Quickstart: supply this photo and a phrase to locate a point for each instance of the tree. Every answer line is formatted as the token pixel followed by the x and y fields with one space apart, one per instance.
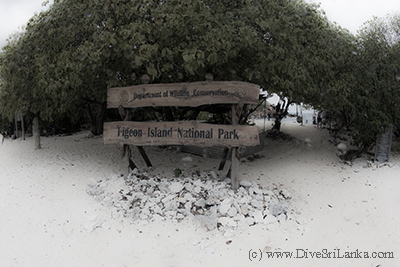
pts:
pixel 298 53
pixel 78 49
pixel 375 99
pixel 362 91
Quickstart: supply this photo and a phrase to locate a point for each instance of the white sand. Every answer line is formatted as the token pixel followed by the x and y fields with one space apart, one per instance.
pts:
pixel 47 217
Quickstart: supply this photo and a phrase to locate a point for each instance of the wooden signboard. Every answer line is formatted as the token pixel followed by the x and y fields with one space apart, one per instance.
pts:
pixel 194 94
pixel 183 94
pixel 180 133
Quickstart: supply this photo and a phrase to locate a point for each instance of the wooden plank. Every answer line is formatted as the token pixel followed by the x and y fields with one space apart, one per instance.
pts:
pixel 217 152
pixel 183 94
pixel 179 133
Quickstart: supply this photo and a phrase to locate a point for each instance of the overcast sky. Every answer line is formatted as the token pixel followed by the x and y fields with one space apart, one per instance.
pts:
pixel 350 14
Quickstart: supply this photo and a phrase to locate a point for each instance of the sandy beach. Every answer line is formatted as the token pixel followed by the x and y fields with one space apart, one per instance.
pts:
pixel 337 214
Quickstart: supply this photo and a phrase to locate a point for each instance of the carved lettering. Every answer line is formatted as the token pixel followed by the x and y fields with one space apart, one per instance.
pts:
pixel 127 132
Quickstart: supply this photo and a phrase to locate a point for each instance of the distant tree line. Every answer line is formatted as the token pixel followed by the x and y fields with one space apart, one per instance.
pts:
pixel 60 67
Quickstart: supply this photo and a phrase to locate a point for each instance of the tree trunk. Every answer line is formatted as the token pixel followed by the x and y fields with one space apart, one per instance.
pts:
pixel 36 132
pixel 100 117
pixel 97 120
pixel 22 127
pixel 281 112
pixel 277 124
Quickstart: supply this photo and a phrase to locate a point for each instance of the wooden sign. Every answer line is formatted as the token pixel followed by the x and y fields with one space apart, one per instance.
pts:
pixel 179 133
pixel 383 146
pixel 183 94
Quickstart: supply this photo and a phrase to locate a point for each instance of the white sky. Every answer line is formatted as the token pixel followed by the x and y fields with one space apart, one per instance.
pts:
pixel 350 14
pixel 14 14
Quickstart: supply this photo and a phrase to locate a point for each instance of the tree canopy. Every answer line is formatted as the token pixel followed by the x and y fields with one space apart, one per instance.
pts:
pixel 68 56
pixel 366 92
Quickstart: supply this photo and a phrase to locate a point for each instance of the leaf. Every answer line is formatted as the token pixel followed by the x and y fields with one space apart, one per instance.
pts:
pixel 186 58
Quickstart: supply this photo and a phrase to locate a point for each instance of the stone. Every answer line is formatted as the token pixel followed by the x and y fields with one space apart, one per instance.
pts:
pixel 245 183
pixel 188 186
pixel 244 209
pixel 143 216
pixel 197 189
pixel 187 159
pixel 150 190
pixel 269 219
pixel 167 199
pixel 198 183
pixel 188 206
pixel 213 174
pixel 342 148
pixel 170 214
pixel 250 220
pixel 200 202
pixel 108 202
pixel 308 141
pixel 225 221
pixel 258 216
pixel 256 204
pixel 175 187
pixel 92 182
pixel 171 205
pixel 124 205
pixel 232 212
pixel 278 207
pixel 210 201
pixel 146 211
pixel 180 216
pixel 135 171
pixel 236 205
pixel 225 206
pixel 188 197
pixel 210 222
pixel 157 209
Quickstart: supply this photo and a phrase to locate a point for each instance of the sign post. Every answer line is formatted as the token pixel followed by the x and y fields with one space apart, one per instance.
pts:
pixel 195 94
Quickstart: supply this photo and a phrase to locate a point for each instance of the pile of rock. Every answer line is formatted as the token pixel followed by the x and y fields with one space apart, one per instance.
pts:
pixel 212 203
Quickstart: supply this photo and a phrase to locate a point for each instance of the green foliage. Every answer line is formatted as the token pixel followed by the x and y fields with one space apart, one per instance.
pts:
pixel 61 66
pixel 367 92
pixel 71 54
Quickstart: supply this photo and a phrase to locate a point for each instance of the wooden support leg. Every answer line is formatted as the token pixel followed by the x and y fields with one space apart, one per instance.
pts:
pixel 235 113
pixel 144 156
pixel 234 170
pixel 126 153
pixel 127 162
pixel 223 160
